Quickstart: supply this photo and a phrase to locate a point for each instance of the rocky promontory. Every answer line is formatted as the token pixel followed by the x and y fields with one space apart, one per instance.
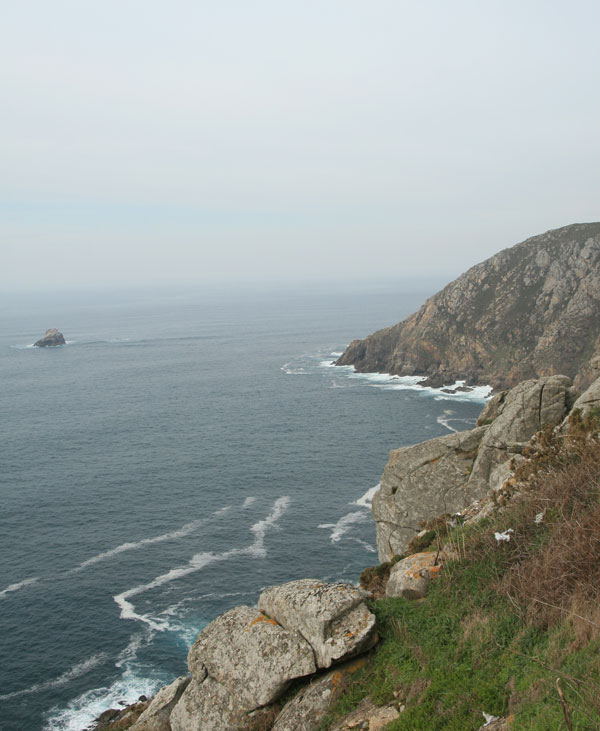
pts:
pixel 530 311
pixel 51 339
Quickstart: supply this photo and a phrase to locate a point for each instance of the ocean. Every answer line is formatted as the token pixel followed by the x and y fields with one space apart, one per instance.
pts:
pixel 183 451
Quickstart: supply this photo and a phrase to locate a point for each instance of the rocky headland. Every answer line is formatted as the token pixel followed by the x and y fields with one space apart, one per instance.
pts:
pixel 51 339
pixel 532 310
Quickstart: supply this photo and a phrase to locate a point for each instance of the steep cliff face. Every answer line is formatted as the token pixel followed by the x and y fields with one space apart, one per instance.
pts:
pixel 529 311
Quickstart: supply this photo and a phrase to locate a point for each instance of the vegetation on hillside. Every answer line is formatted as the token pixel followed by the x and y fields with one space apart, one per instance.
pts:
pixel 512 628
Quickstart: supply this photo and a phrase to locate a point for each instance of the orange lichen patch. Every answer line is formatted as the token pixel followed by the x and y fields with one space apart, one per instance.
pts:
pixel 349 634
pixel 435 571
pixel 263 618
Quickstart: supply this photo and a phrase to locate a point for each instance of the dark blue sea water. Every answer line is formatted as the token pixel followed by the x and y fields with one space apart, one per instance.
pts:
pixel 180 453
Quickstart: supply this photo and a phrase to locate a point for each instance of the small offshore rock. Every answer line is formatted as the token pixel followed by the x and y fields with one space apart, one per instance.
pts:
pixel 333 618
pixel 52 338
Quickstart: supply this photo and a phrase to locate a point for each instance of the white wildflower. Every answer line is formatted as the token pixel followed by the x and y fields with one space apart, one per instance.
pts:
pixel 488 716
pixel 503 536
pixel 539 517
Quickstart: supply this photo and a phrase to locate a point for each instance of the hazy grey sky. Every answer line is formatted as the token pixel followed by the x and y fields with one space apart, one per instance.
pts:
pixel 185 141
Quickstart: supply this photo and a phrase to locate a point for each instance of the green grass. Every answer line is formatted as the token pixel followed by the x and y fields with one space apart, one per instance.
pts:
pixel 464 650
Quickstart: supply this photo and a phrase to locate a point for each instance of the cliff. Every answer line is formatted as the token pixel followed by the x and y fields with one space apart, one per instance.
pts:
pixel 532 310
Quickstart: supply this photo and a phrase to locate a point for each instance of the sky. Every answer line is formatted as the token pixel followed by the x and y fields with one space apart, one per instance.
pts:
pixel 187 142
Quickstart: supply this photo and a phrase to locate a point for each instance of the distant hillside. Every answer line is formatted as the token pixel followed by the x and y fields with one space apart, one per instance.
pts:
pixel 529 311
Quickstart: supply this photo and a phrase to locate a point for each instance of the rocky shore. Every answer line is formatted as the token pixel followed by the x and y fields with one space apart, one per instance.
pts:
pixel 281 665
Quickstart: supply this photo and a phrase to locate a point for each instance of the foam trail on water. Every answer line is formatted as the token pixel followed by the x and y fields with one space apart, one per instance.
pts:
pixel 366 500
pixel 75 672
pixel 198 562
pixel 444 419
pixel 19 585
pixel 344 524
pixel 248 502
pixel 134 546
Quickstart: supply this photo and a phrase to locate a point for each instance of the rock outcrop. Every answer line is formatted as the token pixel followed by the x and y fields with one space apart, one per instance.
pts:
pixel 446 474
pixel 529 311
pixel 333 618
pixel 245 659
pixel 157 716
pixel 51 339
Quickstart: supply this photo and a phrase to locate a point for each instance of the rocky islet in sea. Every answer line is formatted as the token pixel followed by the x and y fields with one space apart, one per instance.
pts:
pixel 51 339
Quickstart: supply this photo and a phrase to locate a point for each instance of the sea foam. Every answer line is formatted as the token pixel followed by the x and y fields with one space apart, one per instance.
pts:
pixel 366 500
pixel 19 585
pixel 134 546
pixel 198 562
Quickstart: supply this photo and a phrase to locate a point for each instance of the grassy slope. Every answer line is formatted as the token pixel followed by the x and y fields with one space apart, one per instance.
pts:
pixel 499 626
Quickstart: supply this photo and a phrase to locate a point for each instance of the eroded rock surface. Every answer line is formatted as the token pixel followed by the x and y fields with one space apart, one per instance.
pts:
pixel 311 703
pixel 427 479
pixel 156 716
pixel 251 655
pixel 447 474
pixel 207 706
pixel 333 618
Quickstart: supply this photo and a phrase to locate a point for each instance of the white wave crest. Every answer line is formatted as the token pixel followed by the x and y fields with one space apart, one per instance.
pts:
pixel 291 370
pixel 477 394
pixel 196 563
pixel 82 710
pixel 19 585
pixel 248 502
pixel 75 672
pixel 364 544
pixel 344 524
pixel 366 500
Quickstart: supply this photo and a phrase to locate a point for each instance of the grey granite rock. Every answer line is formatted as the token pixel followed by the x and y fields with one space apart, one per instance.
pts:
pixel 333 618
pixel 207 706
pixel 420 482
pixel 156 716
pixel 447 474
pixel 252 656
pixel 589 399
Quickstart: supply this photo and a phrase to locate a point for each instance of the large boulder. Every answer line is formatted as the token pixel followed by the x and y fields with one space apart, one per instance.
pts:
pixel 332 618
pixel 410 577
pixel 52 338
pixel 447 474
pixel 251 656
